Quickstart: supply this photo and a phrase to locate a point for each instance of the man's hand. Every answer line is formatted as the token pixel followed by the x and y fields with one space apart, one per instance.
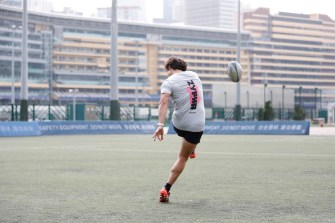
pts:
pixel 159 133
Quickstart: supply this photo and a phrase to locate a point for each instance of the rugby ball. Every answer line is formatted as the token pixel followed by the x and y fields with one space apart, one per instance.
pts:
pixel 234 70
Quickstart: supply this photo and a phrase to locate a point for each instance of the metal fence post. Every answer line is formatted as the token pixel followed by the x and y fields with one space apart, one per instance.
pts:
pixel 149 115
pixel 16 113
pixel 13 117
pixel 102 113
pixel 33 112
pixel 49 112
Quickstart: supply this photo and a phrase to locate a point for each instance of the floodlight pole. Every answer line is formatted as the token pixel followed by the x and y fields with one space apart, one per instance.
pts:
pixel 265 85
pixel 113 96
pixel 315 97
pixel 238 87
pixel 300 88
pixel 136 78
pixel 24 65
pixel 13 74
pixel 320 99
pixel 283 102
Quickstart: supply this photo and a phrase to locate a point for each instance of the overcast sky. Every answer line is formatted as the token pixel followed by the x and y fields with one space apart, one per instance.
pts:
pixel 155 7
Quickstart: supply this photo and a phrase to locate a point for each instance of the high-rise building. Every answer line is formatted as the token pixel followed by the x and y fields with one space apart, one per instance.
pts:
pixel 173 12
pixel 168 10
pixel 13 3
pixel 69 11
pixel 211 13
pixel 70 52
pixel 128 10
pixel 294 51
pixel 128 13
pixel 34 5
pixel 178 11
pixel 290 52
pixel 40 5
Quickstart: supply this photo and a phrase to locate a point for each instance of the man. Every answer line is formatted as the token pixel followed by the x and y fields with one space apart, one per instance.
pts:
pixel 188 118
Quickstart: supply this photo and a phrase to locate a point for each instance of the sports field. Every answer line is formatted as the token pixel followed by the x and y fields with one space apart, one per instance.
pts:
pixel 117 178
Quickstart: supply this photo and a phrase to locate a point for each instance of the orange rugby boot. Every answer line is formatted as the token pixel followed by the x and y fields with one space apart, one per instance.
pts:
pixel 192 155
pixel 164 195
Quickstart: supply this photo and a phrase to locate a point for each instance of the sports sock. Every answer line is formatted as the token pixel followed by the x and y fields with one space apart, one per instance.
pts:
pixel 168 187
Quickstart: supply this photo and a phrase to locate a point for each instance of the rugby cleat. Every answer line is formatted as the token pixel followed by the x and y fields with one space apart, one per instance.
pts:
pixel 192 155
pixel 164 195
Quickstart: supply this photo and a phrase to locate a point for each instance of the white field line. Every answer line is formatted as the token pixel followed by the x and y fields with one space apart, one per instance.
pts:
pixel 105 148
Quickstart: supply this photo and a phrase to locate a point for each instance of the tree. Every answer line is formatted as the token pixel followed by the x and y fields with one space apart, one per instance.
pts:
pixel 299 113
pixel 260 114
pixel 267 113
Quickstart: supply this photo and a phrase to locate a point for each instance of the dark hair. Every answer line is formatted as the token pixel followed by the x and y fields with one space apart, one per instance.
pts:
pixel 175 63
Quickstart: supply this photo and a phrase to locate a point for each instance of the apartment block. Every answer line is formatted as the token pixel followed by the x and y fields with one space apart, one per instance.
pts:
pixel 295 51
pixel 70 52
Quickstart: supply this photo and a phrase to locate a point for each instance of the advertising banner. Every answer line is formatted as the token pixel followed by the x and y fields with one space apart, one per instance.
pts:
pixel 106 127
pixel 255 128
pixel 8 129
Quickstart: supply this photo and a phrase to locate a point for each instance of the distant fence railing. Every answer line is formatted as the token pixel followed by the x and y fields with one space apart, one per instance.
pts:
pixel 91 112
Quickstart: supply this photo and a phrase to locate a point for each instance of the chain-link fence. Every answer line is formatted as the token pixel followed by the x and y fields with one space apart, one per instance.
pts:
pixel 89 112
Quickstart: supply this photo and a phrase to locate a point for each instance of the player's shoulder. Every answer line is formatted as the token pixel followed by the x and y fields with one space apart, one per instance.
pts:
pixel 177 78
pixel 183 75
pixel 189 72
pixel 192 74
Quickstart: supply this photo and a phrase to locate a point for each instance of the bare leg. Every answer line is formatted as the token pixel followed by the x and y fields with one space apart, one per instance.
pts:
pixel 178 167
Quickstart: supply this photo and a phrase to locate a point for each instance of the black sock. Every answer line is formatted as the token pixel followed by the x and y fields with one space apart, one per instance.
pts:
pixel 167 187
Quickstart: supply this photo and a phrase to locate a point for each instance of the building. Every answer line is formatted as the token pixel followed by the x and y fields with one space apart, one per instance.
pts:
pixel 285 51
pixel 13 3
pixel 10 57
pixel 211 13
pixel 128 13
pixel 69 11
pixel 33 5
pixel 127 10
pixel 40 5
pixel 69 52
pixel 295 51
pixel 173 12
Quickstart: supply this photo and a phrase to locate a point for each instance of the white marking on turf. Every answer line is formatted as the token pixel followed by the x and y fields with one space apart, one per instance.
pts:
pixel 107 148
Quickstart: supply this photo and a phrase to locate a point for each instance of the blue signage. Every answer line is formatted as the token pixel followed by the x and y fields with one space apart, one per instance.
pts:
pixel 19 129
pixel 106 127
pixel 255 128
pixel 145 127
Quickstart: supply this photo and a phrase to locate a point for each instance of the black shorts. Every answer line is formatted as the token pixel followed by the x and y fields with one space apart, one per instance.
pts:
pixel 191 137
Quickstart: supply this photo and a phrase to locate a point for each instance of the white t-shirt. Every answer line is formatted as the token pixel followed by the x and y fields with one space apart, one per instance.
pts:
pixel 187 96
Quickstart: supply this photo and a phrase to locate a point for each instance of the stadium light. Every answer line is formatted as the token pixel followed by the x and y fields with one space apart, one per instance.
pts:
pixel 113 96
pixel 136 78
pixel 283 103
pixel 14 28
pixel 237 111
pixel 320 99
pixel 24 65
pixel 300 88
pixel 316 90
pixel 265 85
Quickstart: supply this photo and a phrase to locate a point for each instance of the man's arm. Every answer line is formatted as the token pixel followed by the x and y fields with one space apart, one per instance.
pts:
pixel 162 110
pixel 163 107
